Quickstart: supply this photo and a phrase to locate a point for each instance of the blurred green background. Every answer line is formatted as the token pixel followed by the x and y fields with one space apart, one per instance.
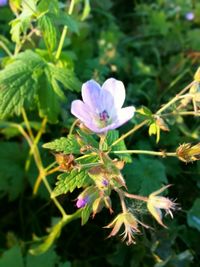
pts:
pixel 154 48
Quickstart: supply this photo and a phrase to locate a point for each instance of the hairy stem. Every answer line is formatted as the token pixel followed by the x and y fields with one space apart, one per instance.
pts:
pixel 174 99
pixel 121 196
pixel 64 32
pixel 142 198
pixel 73 126
pixel 39 164
pixel 134 129
pixel 146 152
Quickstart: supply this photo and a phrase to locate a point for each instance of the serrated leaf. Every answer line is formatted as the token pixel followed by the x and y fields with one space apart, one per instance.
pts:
pixel 19 83
pixel 67 182
pixel 12 257
pixel 66 145
pixel 145 176
pixel 21 24
pixel 49 32
pixel 49 102
pixel 110 138
pixel 29 78
pixel 193 215
pixel 66 77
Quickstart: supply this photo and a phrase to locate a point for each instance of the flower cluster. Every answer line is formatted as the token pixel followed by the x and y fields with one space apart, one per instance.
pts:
pixel 101 110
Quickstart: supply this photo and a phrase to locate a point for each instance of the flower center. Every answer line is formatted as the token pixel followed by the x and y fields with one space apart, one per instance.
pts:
pixel 104 117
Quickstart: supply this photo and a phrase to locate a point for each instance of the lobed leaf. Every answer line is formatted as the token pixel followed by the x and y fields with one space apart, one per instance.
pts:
pixel 19 83
pixel 67 182
pixel 66 145
pixel 49 32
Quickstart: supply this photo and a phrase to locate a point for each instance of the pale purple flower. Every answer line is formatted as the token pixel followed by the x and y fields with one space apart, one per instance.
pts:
pixel 82 202
pixel 189 15
pixel 3 2
pixel 101 109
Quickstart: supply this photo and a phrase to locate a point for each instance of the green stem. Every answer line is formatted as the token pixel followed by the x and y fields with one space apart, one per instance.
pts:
pixel 134 129
pixel 71 7
pixel 39 164
pixel 62 39
pixel 85 156
pixel 35 142
pixel 27 124
pixel 102 140
pixel 54 199
pixel 183 113
pixel 50 166
pixel 146 152
pixel 6 49
pixel 121 196
pixel 176 98
pixel 136 197
pixel 73 126
pixel 64 32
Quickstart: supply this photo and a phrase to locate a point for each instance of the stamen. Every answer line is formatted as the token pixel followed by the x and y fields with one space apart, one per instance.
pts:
pixel 104 116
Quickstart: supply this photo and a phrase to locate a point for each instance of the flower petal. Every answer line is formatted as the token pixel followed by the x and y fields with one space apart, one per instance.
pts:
pixel 156 213
pixel 116 89
pixel 124 115
pixel 97 99
pixel 91 92
pixel 81 111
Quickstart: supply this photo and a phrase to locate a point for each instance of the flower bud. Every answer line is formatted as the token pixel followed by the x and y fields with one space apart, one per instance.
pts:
pixel 86 197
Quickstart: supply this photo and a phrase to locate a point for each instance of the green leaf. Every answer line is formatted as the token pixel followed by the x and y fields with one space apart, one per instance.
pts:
pixel 47 259
pixel 21 24
pixel 48 6
pixel 29 78
pixel 12 171
pixel 66 77
pixel 66 145
pixel 12 257
pixel 145 176
pixel 49 32
pixel 19 83
pixel 193 215
pixel 85 214
pixel 49 102
pixel 145 112
pixel 67 182
pixel 64 19
pixel 110 138
pixel 88 139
